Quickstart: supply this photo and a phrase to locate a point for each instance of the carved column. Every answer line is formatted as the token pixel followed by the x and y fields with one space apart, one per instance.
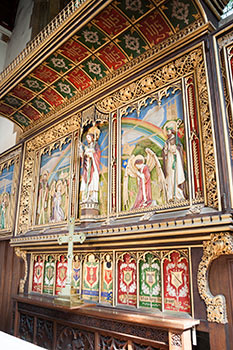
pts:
pixel 22 254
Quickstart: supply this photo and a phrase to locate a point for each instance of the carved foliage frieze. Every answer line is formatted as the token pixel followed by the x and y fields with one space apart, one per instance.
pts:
pixel 75 339
pixel 219 244
pixel 32 147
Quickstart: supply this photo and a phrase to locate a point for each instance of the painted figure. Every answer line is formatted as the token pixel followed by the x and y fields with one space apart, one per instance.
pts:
pixel 57 200
pixel 43 197
pixel 137 168
pixel 173 166
pixel 144 195
pixel 4 206
pixel 90 159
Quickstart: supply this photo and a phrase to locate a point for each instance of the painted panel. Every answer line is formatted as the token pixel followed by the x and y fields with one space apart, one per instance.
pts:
pixel 61 274
pixel 180 13
pixel 90 290
pixel 37 278
pixel 195 138
pixel 127 280
pixel 93 152
pixel 53 191
pixel 107 279
pixel 76 271
pixel 6 183
pixel 150 281
pixel 112 56
pixel 154 28
pixel 111 21
pixel 49 275
pixel 176 282
pixel 154 166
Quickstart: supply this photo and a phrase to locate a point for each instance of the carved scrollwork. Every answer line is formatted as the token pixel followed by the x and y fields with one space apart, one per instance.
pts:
pixel 176 340
pixel 71 338
pixel 219 244
pixel 22 254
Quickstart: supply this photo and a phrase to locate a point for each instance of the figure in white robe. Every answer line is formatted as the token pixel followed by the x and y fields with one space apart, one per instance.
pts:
pixel 90 159
pixel 173 167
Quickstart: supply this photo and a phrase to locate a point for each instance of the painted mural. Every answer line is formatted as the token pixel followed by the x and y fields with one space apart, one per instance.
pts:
pixel 154 170
pixel 158 280
pixel 6 180
pixel 150 281
pixel 54 178
pixel 93 152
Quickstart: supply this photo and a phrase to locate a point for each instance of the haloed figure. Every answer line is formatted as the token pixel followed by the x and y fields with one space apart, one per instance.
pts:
pixel 90 157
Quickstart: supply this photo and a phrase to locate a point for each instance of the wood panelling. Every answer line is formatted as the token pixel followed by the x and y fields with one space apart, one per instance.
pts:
pixel 221 281
pixel 11 270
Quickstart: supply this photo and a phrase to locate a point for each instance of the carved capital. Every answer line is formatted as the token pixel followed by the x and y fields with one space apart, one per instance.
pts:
pixel 219 244
pixel 22 254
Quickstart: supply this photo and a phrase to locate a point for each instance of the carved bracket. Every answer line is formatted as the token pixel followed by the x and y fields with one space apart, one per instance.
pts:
pixel 22 254
pixel 219 244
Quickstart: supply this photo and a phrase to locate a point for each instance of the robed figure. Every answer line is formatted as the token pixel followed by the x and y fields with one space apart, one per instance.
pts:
pixel 173 166
pixel 90 155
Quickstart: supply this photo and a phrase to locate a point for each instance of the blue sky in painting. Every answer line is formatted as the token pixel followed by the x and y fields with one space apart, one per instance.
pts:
pixel 57 161
pixel 6 179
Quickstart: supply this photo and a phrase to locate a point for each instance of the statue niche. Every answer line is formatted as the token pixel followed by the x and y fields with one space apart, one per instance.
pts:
pixel 90 153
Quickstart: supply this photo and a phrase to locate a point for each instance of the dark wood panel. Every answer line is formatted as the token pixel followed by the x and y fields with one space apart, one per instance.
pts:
pixel 220 280
pixel 10 273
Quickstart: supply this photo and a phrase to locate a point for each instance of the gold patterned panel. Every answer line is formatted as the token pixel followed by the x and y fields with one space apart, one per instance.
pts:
pixel 192 62
pixel 219 244
pixel 32 147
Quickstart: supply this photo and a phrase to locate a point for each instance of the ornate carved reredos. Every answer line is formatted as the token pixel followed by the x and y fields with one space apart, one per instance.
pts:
pixel 192 62
pixel 188 69
pixel 219 244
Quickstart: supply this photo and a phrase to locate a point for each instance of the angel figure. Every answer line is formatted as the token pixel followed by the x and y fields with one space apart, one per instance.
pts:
pixel 137 168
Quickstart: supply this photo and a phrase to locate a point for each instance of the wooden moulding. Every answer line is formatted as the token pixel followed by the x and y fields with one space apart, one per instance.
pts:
pixel 158 330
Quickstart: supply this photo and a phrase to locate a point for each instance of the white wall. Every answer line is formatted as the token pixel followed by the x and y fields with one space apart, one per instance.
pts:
pixel 21 34
pixel 7 134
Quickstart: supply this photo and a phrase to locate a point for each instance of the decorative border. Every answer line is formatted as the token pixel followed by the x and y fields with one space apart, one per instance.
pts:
pixel 6 160
pixel 192 62
pixel 223 52
pixel 30 159
pixel 219 244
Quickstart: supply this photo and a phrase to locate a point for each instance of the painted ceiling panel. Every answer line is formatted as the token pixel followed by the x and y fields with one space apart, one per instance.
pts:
pixel 30 112
pixel 121 32
pixel 74 51
pixel 79 79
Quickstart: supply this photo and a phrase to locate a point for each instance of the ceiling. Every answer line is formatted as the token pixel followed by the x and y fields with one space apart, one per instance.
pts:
pixel 120 33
